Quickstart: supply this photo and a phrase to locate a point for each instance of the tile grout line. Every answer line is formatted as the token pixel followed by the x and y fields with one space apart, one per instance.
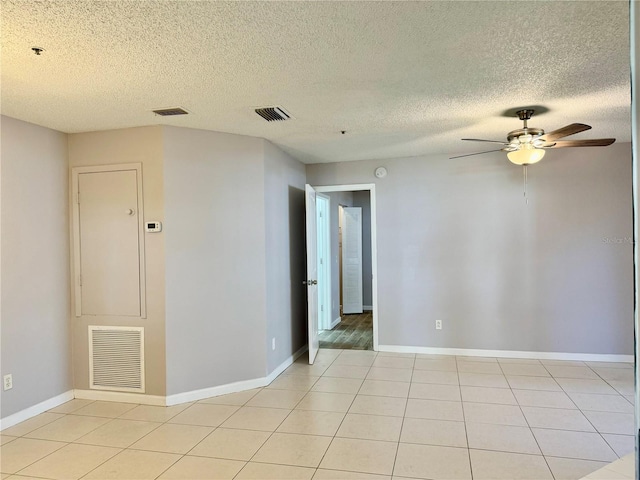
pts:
pixel 568 394
pixel 347 411
pixel 244 404
pixel 47 455
pixel 527 420
pixel 596 431
pixel 284 419
pixel 464 419
pixel 587 418
pixel 166 422
pixel 607 382
pixel 125 448
pixel 404 416
pixel 98 466
pixel 266 439
pixel 68 443
pixel 65 442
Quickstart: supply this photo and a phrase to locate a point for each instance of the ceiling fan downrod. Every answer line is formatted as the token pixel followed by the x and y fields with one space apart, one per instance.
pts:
pixel 525 115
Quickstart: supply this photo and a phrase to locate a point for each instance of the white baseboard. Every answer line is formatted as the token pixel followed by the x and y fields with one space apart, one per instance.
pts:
pixel 283 366
pixel 36 409
pixel 123 397
pixel 194 395
pixel 334 323
pixel 584 357
pixel 142 399
pixel 367 308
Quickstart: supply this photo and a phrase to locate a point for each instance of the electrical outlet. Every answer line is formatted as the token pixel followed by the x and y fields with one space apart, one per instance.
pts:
pixel 438 324
pixel 8 382
pixel 273 343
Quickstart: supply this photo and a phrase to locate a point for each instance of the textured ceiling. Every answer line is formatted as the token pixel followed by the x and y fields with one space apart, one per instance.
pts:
pixel 402 78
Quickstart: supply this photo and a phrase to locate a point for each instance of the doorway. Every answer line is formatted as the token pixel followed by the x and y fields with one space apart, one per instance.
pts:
pixel 345 234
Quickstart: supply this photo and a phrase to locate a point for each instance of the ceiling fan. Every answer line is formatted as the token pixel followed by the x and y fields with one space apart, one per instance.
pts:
pixel 527 145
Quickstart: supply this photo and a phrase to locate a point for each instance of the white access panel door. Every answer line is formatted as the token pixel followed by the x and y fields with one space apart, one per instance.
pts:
pixel 352 260
pixel 312 271
pixel 109 243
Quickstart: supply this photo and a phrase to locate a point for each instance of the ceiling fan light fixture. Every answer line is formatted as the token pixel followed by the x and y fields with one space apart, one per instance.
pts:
pixel 526 156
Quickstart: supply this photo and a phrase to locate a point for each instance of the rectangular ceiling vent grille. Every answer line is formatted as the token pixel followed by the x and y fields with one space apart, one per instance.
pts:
pixel 169 112
pixel 273 114
pixel 116 358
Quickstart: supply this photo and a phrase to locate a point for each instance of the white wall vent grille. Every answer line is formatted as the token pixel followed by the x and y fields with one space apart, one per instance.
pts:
pixel 116 358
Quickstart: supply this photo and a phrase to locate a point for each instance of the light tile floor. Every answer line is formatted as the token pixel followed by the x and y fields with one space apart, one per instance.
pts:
pixel 353 415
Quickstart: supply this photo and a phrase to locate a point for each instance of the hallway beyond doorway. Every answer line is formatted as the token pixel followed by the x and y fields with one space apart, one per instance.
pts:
pixel 354 332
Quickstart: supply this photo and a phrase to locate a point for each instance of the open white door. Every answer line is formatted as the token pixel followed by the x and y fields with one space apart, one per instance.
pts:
pixel 352 260
pixel 312 271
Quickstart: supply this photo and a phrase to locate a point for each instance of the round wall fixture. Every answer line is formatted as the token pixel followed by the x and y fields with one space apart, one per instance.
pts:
pixel 381 172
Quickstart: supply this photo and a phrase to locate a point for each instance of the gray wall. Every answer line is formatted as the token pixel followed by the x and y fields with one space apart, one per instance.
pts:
pixel 363 199
pixel 215 258
pixel 34 296
pixel 129 145
pixel 227 202
pixel 284 199
pixel 457 242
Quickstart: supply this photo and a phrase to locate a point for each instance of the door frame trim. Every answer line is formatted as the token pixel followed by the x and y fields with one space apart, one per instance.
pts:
pixel 75 226
pixel 371 187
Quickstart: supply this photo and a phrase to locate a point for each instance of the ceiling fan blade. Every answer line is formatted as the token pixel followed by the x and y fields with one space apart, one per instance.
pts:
pixel 477 153
pixel 598 142
pixel 480 140
pixel 565 131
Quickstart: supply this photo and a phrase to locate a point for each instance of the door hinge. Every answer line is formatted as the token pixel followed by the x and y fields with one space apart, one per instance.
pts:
pixel 78 198
pixel 320 214
pixel 322 308
pixel 320 261
pixel 80 279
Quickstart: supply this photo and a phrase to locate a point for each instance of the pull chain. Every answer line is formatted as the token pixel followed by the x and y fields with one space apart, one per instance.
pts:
pixel 526 200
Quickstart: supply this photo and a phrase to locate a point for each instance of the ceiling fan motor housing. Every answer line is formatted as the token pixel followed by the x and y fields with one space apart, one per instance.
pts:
pixel 535 132
pixel 525 114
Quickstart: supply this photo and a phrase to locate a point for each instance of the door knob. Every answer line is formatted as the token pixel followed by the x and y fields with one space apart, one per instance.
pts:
pixel 309 282
pixel 130 211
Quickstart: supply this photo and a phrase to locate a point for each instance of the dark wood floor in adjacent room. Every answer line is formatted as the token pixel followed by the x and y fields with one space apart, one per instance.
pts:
pixel 354 332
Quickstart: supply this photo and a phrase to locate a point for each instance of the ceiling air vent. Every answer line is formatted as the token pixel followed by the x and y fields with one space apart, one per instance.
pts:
pixel 169 112
pixel 273 114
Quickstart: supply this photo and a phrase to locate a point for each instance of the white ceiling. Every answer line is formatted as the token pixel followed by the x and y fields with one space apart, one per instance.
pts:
pixel 402 78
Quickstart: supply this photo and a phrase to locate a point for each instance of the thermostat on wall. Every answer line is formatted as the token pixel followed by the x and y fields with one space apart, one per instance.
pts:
pixel 153 227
